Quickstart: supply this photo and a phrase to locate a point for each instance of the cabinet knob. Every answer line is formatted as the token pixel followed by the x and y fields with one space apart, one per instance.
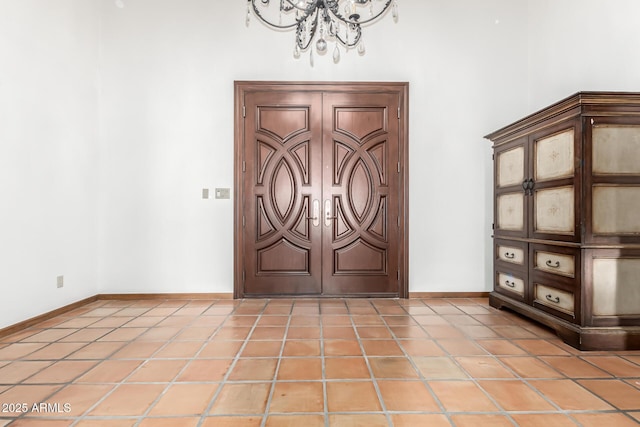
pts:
pixel 509 255
pixel 510 284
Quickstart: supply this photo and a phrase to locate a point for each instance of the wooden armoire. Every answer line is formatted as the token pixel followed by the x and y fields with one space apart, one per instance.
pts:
pixel 567 219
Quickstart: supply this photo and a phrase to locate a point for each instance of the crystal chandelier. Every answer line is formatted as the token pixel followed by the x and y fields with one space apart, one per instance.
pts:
pixel 322 21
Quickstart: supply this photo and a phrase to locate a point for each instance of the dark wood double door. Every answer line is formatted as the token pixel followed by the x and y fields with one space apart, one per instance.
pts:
pixel 320 200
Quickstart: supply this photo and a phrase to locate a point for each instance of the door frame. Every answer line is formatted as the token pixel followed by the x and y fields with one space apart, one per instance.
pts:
pixel 400 88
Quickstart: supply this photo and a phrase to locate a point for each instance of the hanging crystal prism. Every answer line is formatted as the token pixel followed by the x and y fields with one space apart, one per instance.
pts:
pixel 311 57
pixel 361 49
pixel 336 54
pixel 346 38
pixel 296 52
pixel 321 45
pixel 248 19
pixel 394 10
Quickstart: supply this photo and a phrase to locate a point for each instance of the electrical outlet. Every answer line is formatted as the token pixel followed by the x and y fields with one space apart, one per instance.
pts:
pixel 205 193
pixel 60 281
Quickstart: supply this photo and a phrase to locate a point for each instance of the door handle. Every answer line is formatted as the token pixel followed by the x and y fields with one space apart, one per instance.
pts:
pixel 316 213
pixel 327 213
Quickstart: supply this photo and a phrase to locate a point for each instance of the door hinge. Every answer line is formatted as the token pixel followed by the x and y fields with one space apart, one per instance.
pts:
pixel 493 157
pixel 244 111
pixel 398 275
pixel 244 166
pixel 244 276
pixel 398 221
pixel 243 221
pixel 398 112
pixel 493 226
pixel 398 167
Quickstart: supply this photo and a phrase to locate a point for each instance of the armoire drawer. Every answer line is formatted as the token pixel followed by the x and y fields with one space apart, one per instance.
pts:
pixel 509 283
pixel 561 302
pixel 511 252
pixel 557 260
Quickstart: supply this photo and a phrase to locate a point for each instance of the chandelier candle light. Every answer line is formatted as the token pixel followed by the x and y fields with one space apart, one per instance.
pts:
pixel 322 21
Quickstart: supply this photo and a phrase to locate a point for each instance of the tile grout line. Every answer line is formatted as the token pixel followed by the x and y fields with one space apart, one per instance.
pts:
pixel 277 368
pixel 174 339
pixel 524 380
pixel 475 381
pixel 452 358
pixel 225 377
pixel 414 366
pixel 371 373
pixel 323 363
pixel 63 385
pixel 117 385
pixel 169 384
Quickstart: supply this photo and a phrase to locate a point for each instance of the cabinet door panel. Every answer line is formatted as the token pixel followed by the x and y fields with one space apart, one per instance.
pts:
pixel 615 287
pixel 554 156
pixel 555 211
pixel 510 167
pixel 615 209
pixel 616 150
pixel 510 212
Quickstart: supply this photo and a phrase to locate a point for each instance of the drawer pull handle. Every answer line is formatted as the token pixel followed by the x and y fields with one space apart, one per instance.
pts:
pixel 553 265
pixel 510 284
pixel 555 300
pixel 509 255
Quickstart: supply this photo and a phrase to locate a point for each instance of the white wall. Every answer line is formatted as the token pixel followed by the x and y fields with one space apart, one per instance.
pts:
pixel 48 155
pixel 101 173
pixel 582 45
pixel 167 81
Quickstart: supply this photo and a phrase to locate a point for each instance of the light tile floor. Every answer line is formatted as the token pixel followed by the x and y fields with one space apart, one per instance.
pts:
pixel 308 362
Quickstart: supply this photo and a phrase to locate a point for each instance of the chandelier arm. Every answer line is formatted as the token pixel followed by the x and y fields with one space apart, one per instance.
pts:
pixel 293 5
pixel 312 31
pixel 335 12
pixel 264 20
pixel 356 39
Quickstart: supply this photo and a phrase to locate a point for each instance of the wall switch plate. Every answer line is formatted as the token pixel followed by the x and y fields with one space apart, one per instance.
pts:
pixel 205 193
pixel 60 281
pixel 223 193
